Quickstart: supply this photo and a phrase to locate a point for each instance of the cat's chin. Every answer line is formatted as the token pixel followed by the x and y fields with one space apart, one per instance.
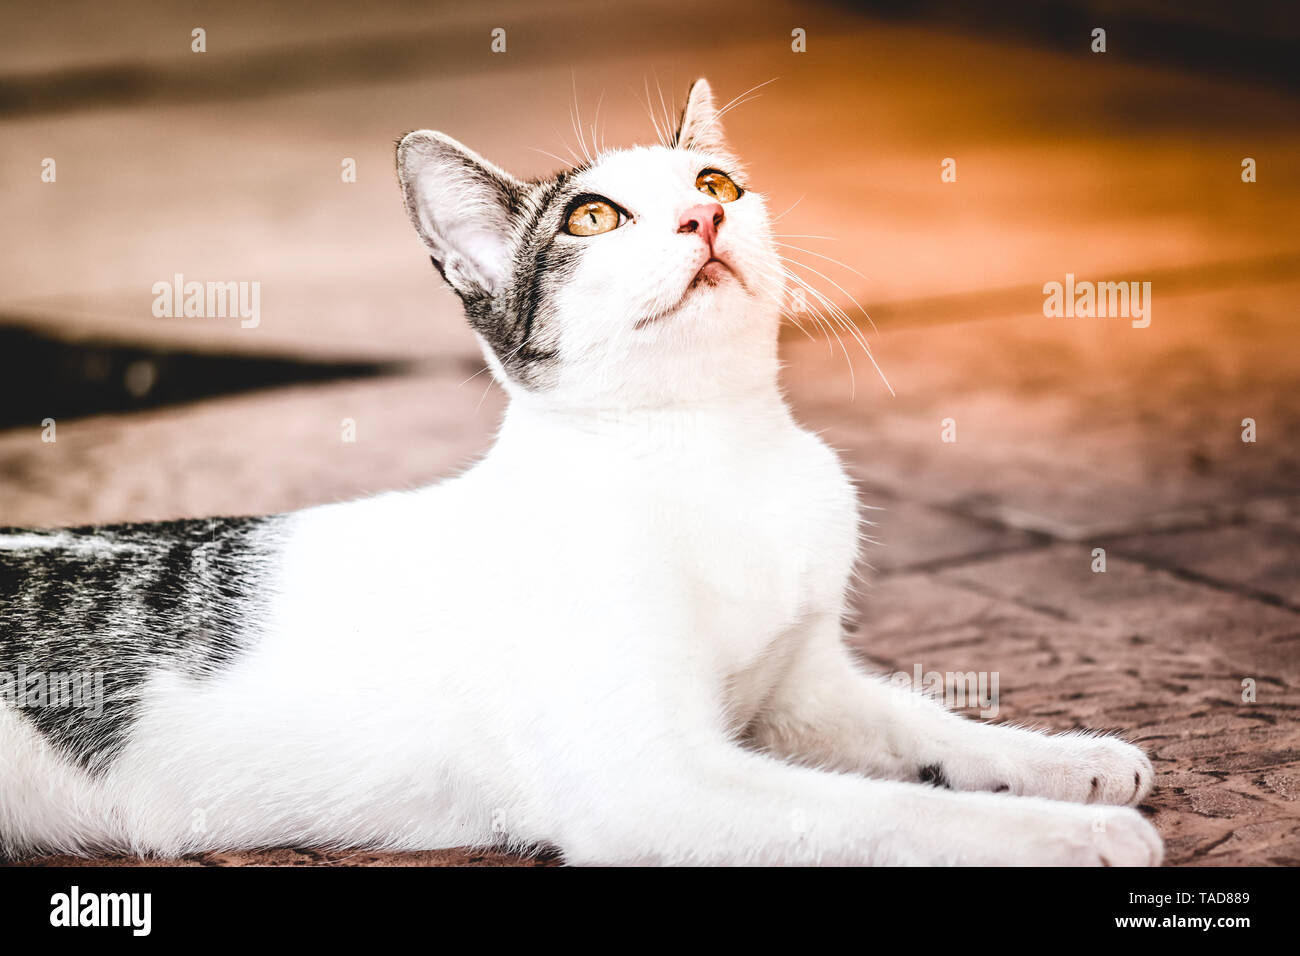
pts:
pixel 712 274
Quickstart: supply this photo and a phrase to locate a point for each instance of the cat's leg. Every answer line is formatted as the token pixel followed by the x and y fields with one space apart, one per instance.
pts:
pixel 826 712
pixel 722 804
pixel 643 766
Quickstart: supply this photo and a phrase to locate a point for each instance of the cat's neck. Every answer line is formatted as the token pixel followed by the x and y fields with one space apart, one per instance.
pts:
pixel 704 422
pixel 695 397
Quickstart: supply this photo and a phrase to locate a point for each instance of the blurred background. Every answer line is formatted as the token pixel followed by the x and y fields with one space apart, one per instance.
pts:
pixel 231 165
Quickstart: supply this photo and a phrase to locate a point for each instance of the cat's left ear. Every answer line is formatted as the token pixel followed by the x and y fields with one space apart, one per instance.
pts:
pixel 701 126
pixel 462 207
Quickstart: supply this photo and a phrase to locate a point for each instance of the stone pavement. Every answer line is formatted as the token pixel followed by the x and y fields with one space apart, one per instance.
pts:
pixel 985 545
pixel 1071 434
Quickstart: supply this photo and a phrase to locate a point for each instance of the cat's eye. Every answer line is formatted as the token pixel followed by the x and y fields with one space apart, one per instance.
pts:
pixel 718 185
pixel 591 217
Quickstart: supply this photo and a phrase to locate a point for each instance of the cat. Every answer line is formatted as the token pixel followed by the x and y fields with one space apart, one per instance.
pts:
pixel 617 635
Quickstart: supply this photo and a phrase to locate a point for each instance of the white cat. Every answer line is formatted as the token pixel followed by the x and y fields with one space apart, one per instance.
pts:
pixel 618 634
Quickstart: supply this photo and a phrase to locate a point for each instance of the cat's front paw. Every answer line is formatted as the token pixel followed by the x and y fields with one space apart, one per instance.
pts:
pixel 1097 836
pixel 1074 768
pixel 1083 768
pixel 1030 831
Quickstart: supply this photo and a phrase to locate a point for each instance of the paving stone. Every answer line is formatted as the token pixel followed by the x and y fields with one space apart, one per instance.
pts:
pixel 1130 600
pixel 909 535
pixel 1121 438
pixel 258 453
pixel 1262 557
pixel 1226 769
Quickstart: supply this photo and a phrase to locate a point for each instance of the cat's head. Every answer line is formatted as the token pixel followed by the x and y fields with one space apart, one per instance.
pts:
pixel 647 276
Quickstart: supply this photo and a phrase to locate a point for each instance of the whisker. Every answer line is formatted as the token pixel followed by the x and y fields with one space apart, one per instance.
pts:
pixel 835 335
pixel 559 159
pixel 736 102
pixel 717 116
pixel 790 209
pixel 504 359
pixel 838 286
pixel 814 309
pixel 839 314
pixel 835 311
pixel 745 97
pixel 790 245
pixel 472 377
pixel 668 117
pixel 843 319
pixel 595 136
pixel 748 91
pixel 577 160
pixel 789 314
pixel 575 117
pixel 482 398
pixel 659 133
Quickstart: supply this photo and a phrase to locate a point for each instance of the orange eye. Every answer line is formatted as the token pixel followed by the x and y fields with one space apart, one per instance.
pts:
pixel 592 218
pixel 718 185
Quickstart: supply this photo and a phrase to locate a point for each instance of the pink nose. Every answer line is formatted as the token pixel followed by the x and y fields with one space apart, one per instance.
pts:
pixel 704 219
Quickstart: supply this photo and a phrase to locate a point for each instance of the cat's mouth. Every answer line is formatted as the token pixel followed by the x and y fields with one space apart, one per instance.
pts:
pixel 712 272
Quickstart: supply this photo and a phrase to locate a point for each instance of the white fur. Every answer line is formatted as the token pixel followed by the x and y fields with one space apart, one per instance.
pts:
pixel 618 634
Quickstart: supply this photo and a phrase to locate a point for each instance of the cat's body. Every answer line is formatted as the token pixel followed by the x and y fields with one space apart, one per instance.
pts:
pixel 399 633
pixel 618 634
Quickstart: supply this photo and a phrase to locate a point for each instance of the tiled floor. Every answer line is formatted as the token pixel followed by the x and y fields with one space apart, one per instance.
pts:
pixel 1072 434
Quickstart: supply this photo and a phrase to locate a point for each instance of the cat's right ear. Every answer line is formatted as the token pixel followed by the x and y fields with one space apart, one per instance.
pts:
pixel 461 205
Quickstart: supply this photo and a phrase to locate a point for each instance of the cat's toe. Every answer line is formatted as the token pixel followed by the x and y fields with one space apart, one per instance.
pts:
pixel 1049 833
pixel 1082 768
pixel 1118 772
pixel 1120 836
